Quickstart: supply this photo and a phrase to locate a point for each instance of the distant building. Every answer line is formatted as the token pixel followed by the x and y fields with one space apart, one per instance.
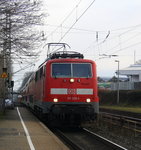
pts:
pixel 133 72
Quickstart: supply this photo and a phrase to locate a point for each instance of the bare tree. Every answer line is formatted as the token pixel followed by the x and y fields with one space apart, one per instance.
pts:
pixel 19 32
pixel 18 19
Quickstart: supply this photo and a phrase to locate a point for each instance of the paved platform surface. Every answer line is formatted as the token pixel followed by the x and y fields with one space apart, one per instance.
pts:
pixel 21 130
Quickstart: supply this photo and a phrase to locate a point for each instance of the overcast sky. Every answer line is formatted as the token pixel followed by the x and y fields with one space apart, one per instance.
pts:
pixel 109 27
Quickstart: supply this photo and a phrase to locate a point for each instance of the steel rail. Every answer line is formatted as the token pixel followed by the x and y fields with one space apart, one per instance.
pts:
pixel 92 141
pixel 106 141
pixel 131 123
pixel 122 116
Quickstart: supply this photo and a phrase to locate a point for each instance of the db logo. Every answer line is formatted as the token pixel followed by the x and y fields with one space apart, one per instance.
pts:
pixel 71 91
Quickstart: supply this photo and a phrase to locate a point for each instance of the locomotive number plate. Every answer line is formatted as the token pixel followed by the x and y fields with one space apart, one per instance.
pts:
pixel 72 98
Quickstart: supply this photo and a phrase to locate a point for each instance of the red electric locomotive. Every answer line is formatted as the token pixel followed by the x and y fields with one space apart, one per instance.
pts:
pixel 64 88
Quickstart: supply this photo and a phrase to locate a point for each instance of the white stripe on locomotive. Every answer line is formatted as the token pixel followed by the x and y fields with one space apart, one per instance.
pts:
pixel 71 91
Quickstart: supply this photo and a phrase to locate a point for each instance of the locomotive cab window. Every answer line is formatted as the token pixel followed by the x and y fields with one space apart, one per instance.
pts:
pixel 81 70
pixel 69 70
pixel 61 70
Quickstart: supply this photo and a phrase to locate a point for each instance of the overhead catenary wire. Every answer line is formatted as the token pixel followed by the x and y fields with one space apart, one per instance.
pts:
pixel 125 40
pixel 77 20
pixel 78 29
pixel 134 26
pixel 64 20
pixel 126 47
pixel 108 39
pixel 25 67
pixel 112 31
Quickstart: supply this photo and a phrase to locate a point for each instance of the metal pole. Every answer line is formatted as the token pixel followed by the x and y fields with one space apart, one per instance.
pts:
pixel 7 53
pixel 117 82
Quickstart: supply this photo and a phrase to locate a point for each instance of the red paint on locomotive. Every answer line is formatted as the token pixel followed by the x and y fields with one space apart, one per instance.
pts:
pixel 71 89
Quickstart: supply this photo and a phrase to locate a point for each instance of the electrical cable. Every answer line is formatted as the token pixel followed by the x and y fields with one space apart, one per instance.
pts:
pixel 77 20
pixel 23 68
pixel 126 47
pixel 64 20
pixel 124 42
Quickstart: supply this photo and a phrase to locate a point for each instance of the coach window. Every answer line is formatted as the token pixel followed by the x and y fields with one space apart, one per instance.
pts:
pixel 37 76
pixel 41 72
pixel 26 98
pixel 31 98
pixel 82 70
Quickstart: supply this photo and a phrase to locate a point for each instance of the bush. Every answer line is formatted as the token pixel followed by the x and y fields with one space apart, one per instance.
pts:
pixel 132 97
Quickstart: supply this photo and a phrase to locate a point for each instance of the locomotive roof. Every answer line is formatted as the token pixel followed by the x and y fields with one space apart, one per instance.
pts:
pixel 66 54
pixel 63 55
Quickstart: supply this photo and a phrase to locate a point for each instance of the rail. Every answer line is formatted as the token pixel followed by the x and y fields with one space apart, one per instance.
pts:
pixel 81 139
pixel 130 123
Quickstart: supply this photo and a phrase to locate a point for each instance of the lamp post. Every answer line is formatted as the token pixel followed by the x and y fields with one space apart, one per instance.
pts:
pixel 117 82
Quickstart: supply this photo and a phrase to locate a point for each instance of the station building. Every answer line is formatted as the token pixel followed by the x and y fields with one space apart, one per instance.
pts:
pixel 133 72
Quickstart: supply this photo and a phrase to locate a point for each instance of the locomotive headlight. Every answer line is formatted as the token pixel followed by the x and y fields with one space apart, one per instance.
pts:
pixel 71 80
pixel 88 100
pixel 55 100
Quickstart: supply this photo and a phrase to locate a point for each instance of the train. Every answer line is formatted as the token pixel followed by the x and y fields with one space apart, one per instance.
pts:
pixel 63 89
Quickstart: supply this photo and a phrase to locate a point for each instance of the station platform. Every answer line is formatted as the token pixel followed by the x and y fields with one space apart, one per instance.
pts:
pixel 21 130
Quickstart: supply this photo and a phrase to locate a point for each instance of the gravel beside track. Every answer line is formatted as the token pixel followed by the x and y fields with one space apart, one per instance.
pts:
pixel 128 139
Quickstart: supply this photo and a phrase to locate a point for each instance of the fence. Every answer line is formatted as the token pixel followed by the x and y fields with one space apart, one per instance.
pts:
pixel 126 86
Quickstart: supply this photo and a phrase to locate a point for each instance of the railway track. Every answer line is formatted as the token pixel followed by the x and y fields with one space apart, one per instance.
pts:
pixel 83 139
pixel 127 122
pixel 122 113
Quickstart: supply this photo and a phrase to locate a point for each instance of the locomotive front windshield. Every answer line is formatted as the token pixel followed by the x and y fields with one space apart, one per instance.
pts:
pixel 69 70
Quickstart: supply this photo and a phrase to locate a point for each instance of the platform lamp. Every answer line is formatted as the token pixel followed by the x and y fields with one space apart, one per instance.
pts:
pixel 117 82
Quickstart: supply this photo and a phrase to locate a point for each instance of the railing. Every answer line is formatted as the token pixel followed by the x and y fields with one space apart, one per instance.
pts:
pixel 133 124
